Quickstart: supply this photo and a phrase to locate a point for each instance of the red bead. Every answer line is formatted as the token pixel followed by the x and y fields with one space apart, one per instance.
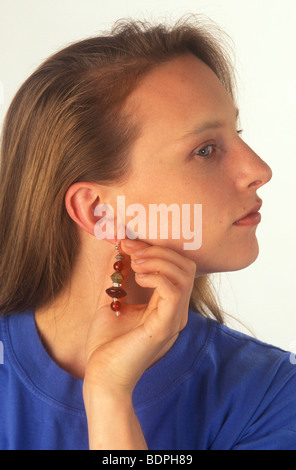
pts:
pixel 116 292
pixel 118 266
pixel 115 306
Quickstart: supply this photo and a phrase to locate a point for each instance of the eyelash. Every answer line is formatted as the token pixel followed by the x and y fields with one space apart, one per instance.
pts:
pixel 212 147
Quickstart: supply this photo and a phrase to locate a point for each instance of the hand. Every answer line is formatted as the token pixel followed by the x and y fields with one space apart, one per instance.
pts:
pixel 120 349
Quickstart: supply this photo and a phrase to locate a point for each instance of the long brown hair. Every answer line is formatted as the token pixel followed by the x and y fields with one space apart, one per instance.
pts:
pixel 66 124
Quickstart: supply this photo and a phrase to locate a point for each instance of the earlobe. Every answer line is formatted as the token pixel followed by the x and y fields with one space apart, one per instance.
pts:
pixel 80 201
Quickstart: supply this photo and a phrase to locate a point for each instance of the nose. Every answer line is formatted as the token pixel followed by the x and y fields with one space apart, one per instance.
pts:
pixel 252 171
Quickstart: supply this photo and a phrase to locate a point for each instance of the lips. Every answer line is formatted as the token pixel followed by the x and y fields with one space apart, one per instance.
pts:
pixel 253 217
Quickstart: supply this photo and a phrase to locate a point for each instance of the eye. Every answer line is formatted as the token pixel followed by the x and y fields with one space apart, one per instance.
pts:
pixel 206 151
pixel 240 132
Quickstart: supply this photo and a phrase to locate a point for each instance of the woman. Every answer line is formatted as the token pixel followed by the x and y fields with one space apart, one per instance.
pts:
pixel 148 113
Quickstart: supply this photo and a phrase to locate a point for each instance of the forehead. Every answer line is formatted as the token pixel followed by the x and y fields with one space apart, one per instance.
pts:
pixel 182 90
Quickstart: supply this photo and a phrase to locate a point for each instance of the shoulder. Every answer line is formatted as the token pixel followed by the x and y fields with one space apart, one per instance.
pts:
pixel 254 383
pixel 223 354
pixel 245 356
pixel 248 349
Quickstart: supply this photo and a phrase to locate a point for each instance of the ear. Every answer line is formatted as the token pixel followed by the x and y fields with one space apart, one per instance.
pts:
pixel 81 200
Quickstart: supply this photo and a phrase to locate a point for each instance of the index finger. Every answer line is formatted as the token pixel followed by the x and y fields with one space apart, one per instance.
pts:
pixel 140 249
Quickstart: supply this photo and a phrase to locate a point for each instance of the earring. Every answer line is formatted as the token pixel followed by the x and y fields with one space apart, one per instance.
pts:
pixel 116 292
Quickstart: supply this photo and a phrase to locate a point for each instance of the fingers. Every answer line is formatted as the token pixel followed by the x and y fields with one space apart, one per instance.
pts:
pixel 172 272
pixel 147 259
pixel 138 249
pixel 172 277
pixel 167 311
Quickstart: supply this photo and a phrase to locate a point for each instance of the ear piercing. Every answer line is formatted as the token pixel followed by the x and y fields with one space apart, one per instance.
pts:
pixel 116 291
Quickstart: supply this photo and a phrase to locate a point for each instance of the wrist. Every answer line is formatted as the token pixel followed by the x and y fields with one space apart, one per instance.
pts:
pixel 112 422
pixel 94 393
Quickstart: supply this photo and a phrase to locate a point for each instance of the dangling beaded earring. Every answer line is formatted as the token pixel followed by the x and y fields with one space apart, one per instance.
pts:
pixel 116 292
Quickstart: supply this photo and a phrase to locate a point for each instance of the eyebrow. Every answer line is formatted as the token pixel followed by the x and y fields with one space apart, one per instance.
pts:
pixel 208 126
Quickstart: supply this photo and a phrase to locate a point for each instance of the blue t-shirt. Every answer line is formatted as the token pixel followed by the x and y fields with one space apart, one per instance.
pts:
pixel 215 389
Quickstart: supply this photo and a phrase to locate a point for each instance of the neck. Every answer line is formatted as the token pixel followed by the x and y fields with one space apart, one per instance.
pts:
pixel 63 325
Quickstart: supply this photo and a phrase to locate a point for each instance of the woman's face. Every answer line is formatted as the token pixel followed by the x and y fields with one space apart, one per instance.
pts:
pixel 189 152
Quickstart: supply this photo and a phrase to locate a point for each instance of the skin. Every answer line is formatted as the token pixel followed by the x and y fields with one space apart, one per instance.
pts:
pixel 189 151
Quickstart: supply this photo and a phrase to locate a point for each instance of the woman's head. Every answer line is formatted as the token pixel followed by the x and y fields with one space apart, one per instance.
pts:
pixel 190 152
pixel 69 123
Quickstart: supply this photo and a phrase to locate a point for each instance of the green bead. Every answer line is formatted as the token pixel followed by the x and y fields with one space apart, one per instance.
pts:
pixel 117 277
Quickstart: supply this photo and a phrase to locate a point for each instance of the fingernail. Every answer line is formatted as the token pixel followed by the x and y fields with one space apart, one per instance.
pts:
pixel 138 261
pixel 139 253
pixel 129 243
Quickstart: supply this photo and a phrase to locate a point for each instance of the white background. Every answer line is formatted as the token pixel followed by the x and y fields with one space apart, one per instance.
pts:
pixel 263 296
